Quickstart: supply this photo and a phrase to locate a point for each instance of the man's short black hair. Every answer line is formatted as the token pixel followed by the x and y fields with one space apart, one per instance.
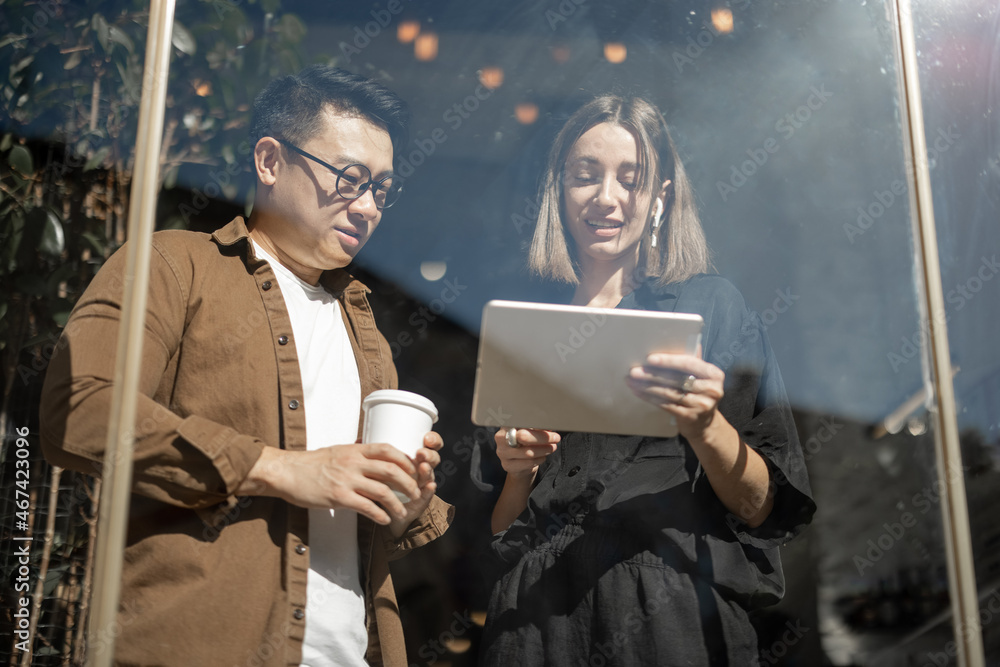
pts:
pixel 291 107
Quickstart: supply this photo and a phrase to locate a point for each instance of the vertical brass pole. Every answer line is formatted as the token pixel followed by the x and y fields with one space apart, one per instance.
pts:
pixel 951 476
pixel 117 471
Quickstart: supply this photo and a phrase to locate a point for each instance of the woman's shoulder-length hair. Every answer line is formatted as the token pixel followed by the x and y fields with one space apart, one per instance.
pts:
pixel 682 250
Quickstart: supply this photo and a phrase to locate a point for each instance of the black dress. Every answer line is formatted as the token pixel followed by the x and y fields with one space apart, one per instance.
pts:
pixel 624 555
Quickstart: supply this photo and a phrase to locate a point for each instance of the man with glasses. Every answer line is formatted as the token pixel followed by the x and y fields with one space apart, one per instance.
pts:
pixel 260 532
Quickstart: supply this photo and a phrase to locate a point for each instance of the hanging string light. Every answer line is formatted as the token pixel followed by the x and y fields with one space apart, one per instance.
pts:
pixel 425 46
pixel 407 31
pixel 615 52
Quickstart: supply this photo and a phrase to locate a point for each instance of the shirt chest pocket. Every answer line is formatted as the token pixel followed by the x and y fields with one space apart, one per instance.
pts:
pixel 643 449
pixel 655 464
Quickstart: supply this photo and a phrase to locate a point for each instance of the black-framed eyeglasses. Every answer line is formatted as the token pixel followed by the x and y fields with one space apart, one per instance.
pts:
pixel 354 180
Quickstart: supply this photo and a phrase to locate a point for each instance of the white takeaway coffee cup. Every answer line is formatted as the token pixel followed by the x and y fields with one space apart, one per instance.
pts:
pixel 400 418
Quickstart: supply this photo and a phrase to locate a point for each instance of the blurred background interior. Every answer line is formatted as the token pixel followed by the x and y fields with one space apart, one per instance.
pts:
pixel 788 117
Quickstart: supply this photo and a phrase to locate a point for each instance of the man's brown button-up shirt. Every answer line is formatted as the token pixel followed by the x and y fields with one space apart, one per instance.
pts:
pixel 211 578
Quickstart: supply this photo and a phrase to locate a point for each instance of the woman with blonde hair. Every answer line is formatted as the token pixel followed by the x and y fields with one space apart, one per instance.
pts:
pixel 629 550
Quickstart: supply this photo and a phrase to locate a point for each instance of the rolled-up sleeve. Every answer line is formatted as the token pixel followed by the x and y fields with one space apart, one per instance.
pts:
pixel 185 461
pixel 757 406
pixel 429 526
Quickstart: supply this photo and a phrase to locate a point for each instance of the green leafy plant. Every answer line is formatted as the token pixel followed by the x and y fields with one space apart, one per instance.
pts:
pixel 68 117
pixel 71 76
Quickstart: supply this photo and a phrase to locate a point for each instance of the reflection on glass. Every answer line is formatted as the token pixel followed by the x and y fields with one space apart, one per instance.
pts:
pixel 491 77
pixel 526 113
pixel 425 46
pixel 960 45
pixel 788 126
pixel 722 19
pixel 635 546
pixel 407 31
pixel 615 52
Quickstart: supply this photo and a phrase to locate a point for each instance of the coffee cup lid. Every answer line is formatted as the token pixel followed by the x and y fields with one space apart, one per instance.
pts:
pixel 403 397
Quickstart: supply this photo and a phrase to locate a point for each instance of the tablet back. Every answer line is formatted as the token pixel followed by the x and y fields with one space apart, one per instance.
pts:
pixel 563 368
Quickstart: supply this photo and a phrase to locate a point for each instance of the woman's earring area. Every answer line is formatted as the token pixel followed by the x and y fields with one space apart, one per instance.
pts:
pixel 657 217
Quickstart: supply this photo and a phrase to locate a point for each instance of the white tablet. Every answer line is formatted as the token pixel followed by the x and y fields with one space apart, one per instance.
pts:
pixel 563 368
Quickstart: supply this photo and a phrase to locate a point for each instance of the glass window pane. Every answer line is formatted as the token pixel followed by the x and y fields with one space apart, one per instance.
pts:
pixel 958 42
pixel 786 118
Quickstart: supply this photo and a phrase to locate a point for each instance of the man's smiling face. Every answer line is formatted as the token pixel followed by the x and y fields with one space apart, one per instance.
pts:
pixel 322 230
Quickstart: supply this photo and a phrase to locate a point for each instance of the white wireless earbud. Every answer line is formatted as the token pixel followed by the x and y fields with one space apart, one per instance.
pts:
pixel 657 217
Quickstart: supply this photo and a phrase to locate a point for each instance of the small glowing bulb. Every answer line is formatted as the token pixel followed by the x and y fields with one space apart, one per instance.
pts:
pixel 407 31
pixel 491 77
pixel 425 46
pixel 526 113
pixel 615 52
pixel 722 19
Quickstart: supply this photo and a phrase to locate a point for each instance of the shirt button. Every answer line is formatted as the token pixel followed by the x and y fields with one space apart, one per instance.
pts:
pixel 300 549
pixel 266 285
pixel 573 471
pixel 293 404
pixel 282 340
pixel 298 614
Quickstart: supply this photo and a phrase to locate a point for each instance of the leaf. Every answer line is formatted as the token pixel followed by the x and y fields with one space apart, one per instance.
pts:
pixel 74 59
pixel 270 6
pixel 100 26
pixel 3 309
pixel 97 158
pixel 53 240
pixel 64 272
pixel 292 28
pixel 52 578
pixel 96 242
pixel 14 233
pixel 118 36
pixel 20 160
pixel 6 142
pixel 183 39
pixel 10 38
pixel 20 65
pixel 170 177
pixel 129 88
pixel 238 30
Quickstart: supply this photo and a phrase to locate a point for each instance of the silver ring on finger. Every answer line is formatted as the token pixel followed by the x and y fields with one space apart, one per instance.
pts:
pixel 688 385
pixel 511 437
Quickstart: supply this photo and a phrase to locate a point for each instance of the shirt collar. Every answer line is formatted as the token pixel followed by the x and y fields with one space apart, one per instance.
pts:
pixel 337 281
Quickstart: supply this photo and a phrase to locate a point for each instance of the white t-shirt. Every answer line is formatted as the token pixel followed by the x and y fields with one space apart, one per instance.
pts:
pixel 335 612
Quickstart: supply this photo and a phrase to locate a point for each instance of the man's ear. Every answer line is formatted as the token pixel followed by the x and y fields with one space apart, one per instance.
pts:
pixel 265 160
